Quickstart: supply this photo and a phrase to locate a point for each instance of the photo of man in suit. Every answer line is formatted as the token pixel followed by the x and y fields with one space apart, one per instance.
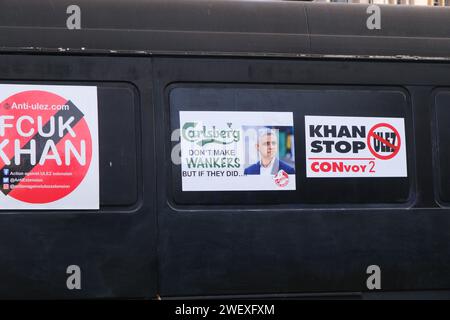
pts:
pixel 269 163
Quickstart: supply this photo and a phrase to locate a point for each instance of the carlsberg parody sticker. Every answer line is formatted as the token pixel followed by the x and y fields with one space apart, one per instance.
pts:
pixel 234 151
pixel 48 147
pixel 348 147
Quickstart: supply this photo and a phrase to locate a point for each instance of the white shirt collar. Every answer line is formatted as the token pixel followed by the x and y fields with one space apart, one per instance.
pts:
pixel 267 170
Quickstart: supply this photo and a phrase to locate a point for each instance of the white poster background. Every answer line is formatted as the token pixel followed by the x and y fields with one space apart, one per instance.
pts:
pixel 87 194
pixel 222 120
pixel 394 167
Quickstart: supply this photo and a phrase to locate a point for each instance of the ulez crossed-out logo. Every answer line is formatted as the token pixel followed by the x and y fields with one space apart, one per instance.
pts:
pixel 48 147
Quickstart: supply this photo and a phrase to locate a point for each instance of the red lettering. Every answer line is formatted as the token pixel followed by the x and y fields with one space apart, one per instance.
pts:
pixel 326 166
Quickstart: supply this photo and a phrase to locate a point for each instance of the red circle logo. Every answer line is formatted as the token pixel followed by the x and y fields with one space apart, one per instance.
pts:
pixel 46 147
pixel 386 143
pixel 281 178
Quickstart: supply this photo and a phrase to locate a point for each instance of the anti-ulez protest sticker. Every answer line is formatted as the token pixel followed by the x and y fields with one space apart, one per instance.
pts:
pixel 236 151
pixel 48 147
pixel 347 147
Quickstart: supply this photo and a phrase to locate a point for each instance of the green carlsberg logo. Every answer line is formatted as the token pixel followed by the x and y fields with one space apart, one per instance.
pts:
pixel 203 135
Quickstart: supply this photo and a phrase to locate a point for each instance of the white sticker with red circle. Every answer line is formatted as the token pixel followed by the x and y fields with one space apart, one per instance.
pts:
pixel 348 147
pixel 48 147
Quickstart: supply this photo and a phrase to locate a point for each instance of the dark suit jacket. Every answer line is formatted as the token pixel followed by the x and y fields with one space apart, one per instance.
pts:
pixel 255 168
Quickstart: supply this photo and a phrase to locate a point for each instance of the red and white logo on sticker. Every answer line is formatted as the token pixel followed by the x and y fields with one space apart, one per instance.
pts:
pixel 46 150
pixel 281 178
pixel 384 141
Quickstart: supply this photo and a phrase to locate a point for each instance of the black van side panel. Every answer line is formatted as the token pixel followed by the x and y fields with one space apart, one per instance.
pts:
pixel 115 247
pixel 220 249
pixel 144 242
